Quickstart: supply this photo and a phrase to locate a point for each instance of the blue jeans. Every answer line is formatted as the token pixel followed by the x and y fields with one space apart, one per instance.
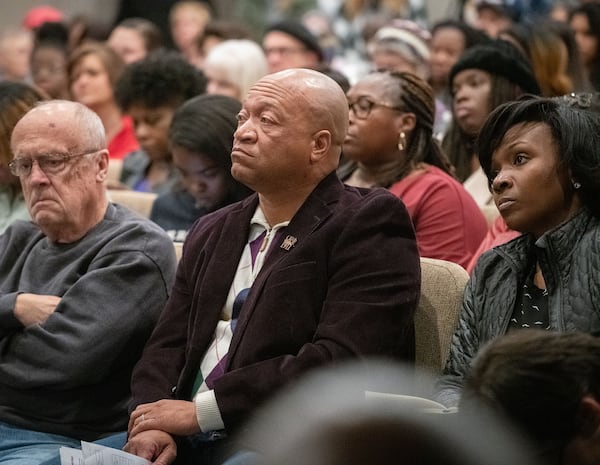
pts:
pixel 26 447
pixel 243 458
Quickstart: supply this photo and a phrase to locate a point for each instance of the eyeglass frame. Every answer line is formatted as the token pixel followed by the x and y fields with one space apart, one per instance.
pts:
pixel 372 104
pixel 284 51
pixel 62 157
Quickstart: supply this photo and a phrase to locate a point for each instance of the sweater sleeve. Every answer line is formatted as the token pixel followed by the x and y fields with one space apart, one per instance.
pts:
pixel 8 321
pixel 12 244
pixel 106 312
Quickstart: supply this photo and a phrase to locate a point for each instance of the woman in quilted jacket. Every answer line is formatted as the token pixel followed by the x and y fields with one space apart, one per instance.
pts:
pixel 542 161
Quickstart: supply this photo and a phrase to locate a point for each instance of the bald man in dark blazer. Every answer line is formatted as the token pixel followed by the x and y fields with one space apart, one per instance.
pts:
pixel 335 276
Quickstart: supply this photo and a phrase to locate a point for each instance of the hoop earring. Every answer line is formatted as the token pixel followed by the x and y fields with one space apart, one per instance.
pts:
pixel 576 184
pixel 402 142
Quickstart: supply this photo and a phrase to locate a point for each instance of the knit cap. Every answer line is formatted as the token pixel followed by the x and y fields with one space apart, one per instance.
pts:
pixel 406 39
pixel 498 58
pixel 39 15
pixel 299 32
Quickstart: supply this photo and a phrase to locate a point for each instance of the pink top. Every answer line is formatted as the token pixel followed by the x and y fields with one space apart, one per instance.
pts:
pixel 124 141
pixel 498 234
pixel 447 221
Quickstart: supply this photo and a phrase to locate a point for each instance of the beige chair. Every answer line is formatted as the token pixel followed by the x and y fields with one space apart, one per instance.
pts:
pixel 442 287
pixel 140 202
pixel 115 166
pixel 178 249
pixel 490 212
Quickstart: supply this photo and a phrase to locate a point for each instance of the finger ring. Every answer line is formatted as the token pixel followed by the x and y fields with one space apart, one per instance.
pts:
pixel 143 419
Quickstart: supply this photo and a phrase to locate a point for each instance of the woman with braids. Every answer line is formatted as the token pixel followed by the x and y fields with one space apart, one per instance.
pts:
pixel 390 140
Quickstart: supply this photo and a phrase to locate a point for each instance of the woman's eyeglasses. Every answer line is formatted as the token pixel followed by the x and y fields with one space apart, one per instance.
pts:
pixel 363 105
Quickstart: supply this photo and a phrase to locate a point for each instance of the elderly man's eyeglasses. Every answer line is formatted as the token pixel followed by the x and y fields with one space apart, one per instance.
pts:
pixel 52 163
pixel 362 107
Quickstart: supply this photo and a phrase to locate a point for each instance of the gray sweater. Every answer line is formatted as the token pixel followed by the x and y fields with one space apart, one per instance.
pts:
pixel 71 374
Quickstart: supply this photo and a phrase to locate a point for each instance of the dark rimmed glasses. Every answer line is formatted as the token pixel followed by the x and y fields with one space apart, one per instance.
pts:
pixel 284 51
pixel 51 163
pixel 363 105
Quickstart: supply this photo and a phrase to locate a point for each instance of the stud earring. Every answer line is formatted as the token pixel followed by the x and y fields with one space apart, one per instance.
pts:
pixel 576 184
pixel 402 142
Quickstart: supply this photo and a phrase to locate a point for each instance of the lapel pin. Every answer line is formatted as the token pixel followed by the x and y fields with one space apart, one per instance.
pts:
pixel 288 243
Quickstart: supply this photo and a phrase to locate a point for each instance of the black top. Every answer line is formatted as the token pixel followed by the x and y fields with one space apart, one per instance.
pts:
pixel 175 212
pixel 532 311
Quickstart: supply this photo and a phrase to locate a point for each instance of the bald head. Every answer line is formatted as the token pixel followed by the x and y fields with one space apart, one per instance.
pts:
pixel 61 159
pixel 290 132
pixel 67 119
pixel 323 100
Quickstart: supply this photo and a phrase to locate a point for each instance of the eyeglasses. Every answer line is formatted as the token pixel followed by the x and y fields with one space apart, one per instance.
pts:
pixel 362 107
pixel 52 163
pixel 283 51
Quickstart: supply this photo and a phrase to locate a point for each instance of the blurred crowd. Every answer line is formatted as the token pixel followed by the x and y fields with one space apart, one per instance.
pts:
pixel 271 116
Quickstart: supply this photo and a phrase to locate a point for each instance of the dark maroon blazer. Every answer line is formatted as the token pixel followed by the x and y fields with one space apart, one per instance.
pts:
pixel 348 288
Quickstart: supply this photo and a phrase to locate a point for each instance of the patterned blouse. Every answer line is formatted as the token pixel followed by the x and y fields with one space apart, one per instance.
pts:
pixel 532 312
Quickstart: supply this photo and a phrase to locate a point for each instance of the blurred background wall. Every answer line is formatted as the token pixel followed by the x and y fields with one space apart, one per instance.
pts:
pixel 103 11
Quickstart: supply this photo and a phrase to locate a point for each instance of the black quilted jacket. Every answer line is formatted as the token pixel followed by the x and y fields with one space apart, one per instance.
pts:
pixel 569 257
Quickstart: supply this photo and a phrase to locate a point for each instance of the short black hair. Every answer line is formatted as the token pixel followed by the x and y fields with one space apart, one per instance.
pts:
pixel 54 32
pixel 575 131
pixel 471 35
pixel 163 78
pixel 205 124
pixel 536 379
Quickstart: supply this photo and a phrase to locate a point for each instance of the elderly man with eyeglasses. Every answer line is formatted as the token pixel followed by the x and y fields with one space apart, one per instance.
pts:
pixel 81 287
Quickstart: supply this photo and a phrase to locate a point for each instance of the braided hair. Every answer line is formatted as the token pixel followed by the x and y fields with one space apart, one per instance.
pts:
pixel 416 96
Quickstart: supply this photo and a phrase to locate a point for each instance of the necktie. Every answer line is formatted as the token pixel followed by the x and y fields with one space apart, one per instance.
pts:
pixel 256 246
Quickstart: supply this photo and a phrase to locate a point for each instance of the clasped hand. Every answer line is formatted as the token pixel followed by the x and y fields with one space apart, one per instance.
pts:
pixel 150 423
pixel 33 309
pixel 176 417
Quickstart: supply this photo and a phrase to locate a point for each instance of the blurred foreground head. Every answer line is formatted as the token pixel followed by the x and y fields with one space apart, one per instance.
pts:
pixel 336 417
pixel 548 384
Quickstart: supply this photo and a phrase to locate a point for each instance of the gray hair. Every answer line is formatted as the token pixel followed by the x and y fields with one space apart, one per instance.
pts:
pixel 89 123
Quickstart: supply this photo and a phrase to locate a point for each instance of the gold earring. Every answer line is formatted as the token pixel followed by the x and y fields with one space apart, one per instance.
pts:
pixel 402 141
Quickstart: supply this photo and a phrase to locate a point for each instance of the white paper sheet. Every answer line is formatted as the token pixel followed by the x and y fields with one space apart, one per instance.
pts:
pixel 94 454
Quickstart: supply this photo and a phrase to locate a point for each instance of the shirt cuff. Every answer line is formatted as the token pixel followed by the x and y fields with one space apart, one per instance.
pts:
pixel 207 412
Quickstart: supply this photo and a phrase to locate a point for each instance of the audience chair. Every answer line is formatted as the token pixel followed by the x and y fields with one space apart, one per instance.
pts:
pixel 178 249
pixel 442 287
pixel 140 202
pixel 490 212
pixel 115 167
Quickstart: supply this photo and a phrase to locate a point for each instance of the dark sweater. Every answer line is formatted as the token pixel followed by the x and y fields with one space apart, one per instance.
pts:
pixel 71 375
